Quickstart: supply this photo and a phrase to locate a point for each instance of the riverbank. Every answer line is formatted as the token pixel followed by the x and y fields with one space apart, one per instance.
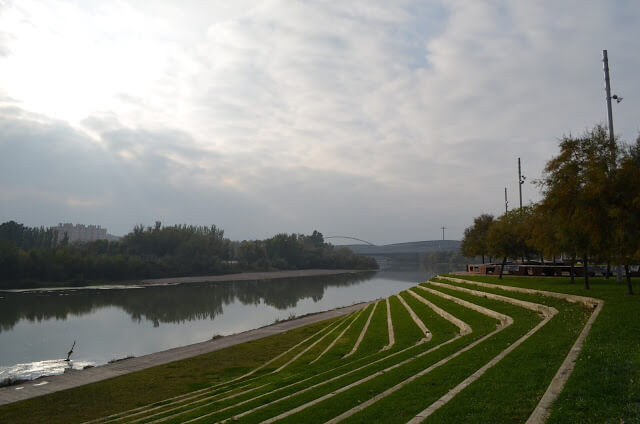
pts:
pixel 73 379
pixel 243 276
pixel 383 364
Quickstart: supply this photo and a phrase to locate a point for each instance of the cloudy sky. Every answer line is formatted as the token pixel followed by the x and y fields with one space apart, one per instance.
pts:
pixel 379 120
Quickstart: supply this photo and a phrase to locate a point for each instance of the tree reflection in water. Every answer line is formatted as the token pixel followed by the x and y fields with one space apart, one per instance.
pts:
pixel 169 304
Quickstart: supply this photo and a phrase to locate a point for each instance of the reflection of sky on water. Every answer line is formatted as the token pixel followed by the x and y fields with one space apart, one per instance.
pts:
pixel 36 369
pixel 111 324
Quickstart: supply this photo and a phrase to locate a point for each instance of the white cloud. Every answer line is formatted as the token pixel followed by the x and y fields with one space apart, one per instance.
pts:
pixel 381 120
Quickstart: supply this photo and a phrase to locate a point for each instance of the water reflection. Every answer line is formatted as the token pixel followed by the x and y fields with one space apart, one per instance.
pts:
pixel 168 304
pixel 33 370
pixel 37 327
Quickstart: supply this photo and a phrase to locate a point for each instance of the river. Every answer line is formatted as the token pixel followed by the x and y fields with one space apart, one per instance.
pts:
pixel 37 328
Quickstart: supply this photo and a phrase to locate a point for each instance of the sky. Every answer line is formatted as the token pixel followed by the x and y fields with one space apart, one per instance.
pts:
pixel 372 119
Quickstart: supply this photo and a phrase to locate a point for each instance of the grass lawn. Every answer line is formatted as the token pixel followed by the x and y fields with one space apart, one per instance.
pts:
pixel 153 384
pixel 317 382
pixel 605 385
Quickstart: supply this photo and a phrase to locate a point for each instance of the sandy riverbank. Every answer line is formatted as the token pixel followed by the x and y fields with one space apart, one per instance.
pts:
pixel 243 276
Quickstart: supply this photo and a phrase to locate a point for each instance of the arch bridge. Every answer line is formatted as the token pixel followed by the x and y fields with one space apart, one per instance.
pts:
pixel 350 238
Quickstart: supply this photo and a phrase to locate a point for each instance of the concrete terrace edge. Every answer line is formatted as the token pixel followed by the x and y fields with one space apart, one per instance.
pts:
pixel 103 372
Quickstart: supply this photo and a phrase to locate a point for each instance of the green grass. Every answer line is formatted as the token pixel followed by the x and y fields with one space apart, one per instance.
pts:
pixel 442 328
pixel 416 396
pixel 407 400
pixel 406 331
pixel 275 381
pixel 282 407
pixel 605 386
pixel 509 391
pixel 328 388
pixel 378 334
pixel 153 384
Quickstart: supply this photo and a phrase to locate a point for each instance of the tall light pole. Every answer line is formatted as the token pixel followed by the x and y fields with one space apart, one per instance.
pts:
pixel 443 228
pixel 607 89
pixel 521 179
pixel 506 202
pixel 618 99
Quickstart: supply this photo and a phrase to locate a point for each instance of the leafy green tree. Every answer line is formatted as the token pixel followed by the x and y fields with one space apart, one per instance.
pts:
pixel 161 251
pixel 549 237
pixel 316 239
pixel 9 260
pixel 474 242
pixel 28 237
pixel 253 254
pixel 506 237
pixel 577 185
pixel 542 236
pixel 626 210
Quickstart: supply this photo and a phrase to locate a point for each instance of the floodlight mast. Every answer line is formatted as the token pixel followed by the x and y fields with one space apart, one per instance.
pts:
pixel 521 179
pixel 607 89
pixel 506 202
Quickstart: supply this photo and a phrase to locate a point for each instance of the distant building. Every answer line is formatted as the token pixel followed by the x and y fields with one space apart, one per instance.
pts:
pixel 81 233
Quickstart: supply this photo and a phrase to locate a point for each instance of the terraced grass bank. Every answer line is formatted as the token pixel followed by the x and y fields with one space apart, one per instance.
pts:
pixel 449 350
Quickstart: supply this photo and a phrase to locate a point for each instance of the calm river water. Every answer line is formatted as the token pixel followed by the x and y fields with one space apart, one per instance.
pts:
pixel 38 328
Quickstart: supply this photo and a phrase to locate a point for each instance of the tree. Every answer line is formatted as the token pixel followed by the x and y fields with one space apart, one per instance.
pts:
pixel 625 212
pixel 316 239
pixel 506 237
pixel 157 251
pixel 549 236
pixel 542 236
pixel 9 260
pixel 474 242
pixel 526 231
pixel 578 186
pixel 253 253
pixel 28 237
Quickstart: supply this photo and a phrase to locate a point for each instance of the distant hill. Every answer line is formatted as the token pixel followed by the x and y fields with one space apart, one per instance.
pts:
pixel 409 247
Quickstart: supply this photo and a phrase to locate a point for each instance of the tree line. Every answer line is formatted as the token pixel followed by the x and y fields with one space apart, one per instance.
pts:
pixel 38 254
pixel 590 210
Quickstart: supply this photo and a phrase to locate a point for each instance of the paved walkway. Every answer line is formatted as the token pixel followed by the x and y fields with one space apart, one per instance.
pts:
pixel 78 378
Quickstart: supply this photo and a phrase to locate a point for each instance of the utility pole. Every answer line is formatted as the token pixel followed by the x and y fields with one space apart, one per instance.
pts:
pixel 521 179
pixel 506 202
pixel 607 89
pixel 443 228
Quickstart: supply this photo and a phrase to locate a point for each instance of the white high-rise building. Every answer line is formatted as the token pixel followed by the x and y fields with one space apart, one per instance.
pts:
pixel 80 232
